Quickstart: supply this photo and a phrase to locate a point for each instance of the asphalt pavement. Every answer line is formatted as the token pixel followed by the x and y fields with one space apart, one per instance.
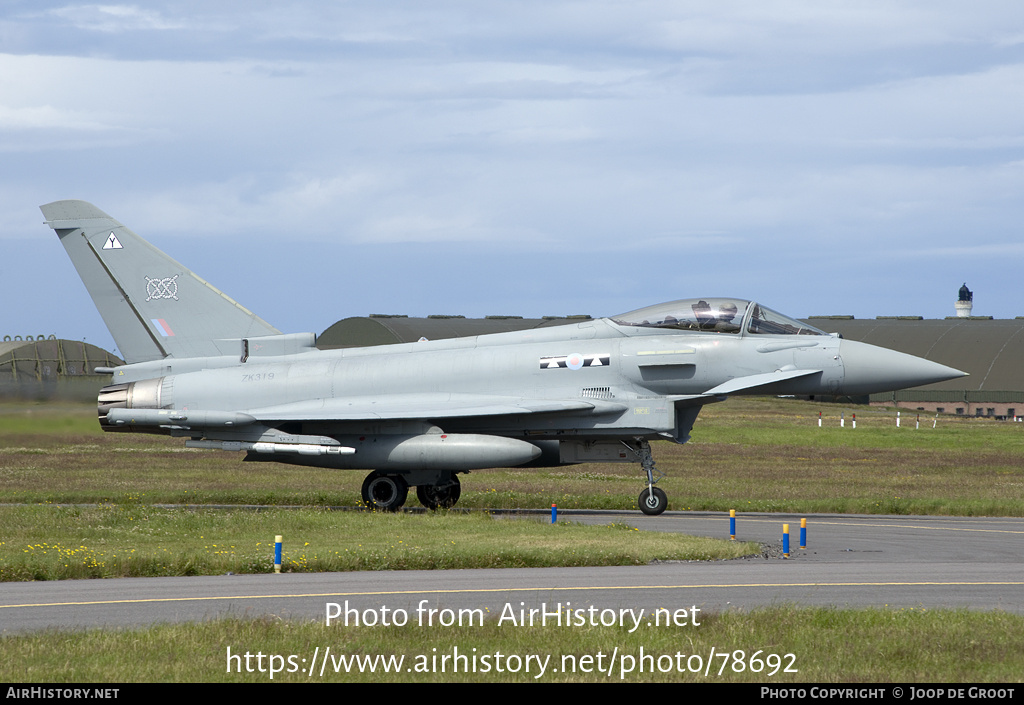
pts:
pixel 849 561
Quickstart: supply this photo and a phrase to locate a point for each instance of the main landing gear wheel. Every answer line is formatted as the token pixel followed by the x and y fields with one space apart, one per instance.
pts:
pixel 440 496
pixel 386 493
pixel 653 501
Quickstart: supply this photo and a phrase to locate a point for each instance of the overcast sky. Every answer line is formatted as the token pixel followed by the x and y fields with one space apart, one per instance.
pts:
pixel 318 160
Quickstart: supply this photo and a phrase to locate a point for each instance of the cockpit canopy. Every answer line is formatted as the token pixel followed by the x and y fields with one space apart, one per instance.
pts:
pixel 716 316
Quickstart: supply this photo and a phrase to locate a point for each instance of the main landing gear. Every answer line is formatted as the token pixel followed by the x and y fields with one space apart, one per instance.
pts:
pixel 388 492
pixel 440 496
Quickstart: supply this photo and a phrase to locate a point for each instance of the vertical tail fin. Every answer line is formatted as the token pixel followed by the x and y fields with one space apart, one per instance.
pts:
pixel 153 306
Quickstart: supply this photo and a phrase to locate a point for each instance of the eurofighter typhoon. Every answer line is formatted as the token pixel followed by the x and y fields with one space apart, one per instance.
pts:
pixel 202 367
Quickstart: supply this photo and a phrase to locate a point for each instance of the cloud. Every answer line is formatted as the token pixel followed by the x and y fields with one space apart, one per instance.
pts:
pixel 757 138
pixel 48 117
pixel 114 18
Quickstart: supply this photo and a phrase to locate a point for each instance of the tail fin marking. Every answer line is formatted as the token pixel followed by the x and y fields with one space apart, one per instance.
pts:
pixel 152 305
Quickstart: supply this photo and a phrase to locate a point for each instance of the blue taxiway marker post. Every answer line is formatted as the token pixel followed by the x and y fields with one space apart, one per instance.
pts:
pixel 732 524
pixel 277 554
pixel 803 534
pixel 785 540
pixel 554 513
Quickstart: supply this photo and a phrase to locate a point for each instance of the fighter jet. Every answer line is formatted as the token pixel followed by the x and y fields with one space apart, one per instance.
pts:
pixel 200 366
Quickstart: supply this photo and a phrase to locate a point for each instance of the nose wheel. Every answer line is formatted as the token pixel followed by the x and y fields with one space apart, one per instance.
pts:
pixel 653 501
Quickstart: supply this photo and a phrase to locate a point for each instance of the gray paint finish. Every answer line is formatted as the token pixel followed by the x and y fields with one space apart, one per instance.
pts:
pixel 204 368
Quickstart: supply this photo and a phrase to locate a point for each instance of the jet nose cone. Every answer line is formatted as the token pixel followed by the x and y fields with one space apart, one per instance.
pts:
pixel 868 369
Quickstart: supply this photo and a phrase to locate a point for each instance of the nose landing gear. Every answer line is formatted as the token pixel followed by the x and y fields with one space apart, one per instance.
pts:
pixel 652 500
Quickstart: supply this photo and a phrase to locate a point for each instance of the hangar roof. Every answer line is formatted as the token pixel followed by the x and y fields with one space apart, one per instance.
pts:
pixel 385 330
pixel 39 360
pixel 989 350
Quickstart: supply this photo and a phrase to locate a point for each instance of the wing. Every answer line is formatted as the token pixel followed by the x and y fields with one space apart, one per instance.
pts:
pixel 425 406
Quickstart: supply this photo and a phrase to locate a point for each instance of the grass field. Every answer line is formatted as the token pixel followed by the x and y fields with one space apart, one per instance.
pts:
pixel 47 542
pixel 754 454
pixel 758 454
pixel 782 644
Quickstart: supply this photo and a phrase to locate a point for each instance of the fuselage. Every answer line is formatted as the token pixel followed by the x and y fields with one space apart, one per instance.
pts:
pixel 206 368
pixel 634 375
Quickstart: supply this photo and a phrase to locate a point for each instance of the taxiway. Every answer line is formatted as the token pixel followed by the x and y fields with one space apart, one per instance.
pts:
pixel 850 561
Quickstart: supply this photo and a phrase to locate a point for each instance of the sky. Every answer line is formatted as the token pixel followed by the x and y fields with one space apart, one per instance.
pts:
pixel 319 160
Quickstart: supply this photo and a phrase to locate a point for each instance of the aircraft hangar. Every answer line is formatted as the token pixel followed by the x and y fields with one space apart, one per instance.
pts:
pixel 990 350
pixel 45 367
pixel 383 329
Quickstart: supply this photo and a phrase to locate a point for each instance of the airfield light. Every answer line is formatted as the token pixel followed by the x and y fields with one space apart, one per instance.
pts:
pixel 785 540
pixel 277 554
pixel 732 524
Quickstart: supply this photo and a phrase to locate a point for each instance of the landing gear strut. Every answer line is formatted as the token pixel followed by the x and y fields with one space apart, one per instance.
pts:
pixel 652 500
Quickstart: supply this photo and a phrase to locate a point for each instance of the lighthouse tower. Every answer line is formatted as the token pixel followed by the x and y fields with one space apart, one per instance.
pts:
pixel 965 302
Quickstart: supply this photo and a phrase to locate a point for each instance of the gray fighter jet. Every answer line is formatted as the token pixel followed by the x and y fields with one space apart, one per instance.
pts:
pixel 203 367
